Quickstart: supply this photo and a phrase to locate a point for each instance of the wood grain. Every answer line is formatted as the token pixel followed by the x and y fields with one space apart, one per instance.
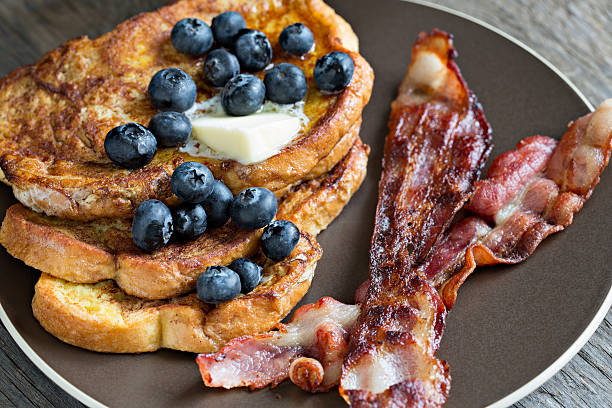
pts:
pixel 576 36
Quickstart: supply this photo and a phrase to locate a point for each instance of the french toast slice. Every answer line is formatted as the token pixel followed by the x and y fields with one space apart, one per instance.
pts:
pixel 93 251
pixel 101 317
pixel 54 114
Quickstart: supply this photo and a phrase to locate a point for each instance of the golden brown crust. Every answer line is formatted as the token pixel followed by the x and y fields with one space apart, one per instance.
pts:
pixel 101 317
pixel 88 252
pixel 55 114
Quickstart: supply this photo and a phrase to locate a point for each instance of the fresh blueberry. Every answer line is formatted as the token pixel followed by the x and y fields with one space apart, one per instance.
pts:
pixel 296 39
pixel 243 95
pixel 226 25
pixel 172 89
pixel 191 36
pixel 189 221
pixel 249 272
pixel 218 284
pixel 170 128
pixel 253 208
pixel 220 66
pixel 333 71
pixel 279 239
pixel 192 182
pixel 131 145
pixel 152 225
pixel 217 204
pixel 285 83
pixel 253 50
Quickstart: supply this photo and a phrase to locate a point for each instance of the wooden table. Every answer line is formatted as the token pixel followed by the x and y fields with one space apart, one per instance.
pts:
pixel 576 36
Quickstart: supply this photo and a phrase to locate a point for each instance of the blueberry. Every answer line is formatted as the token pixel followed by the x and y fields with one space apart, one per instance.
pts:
pixel 170 128
pixel 217 204
pixel 189 221
pixel 131 145
pixel 192 182
pixel 243 95
pixel 249 272
pixel 285 83
pixel 172 89
pixel 225 26
pixel 253 50
pixel 253 208
pixel 152 225
pixel 220 66
pixel 296 39
pixel 279 239
pixel 333 71
pixel 218 284
pixel 191 36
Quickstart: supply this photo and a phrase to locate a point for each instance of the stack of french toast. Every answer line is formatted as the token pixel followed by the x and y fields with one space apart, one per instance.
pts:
pixel 99 289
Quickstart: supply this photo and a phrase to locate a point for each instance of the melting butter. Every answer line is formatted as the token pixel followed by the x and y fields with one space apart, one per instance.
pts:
pixel 246 139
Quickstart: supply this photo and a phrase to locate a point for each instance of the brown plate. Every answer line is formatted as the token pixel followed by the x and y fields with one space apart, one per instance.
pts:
pixel 512 327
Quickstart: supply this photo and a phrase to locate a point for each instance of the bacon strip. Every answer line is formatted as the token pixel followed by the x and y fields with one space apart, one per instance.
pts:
pixel 549 182
pixel 318 330
pixel 437 145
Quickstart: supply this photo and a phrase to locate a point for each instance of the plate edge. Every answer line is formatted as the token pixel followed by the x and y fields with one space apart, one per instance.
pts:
pixel 504 402
pixel 46 368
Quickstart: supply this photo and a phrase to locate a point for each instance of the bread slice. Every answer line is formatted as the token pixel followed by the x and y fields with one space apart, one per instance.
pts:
pixel 88 252
pixel 101 317
pixel 54 114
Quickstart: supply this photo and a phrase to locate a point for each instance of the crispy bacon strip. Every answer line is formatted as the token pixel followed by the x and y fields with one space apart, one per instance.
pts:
pixel 530 193
pixel 438 142
pixel 318 331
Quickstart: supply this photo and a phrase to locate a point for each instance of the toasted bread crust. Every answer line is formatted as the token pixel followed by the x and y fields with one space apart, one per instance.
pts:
pixel 100 317
pixel 55 114
pixel 87 252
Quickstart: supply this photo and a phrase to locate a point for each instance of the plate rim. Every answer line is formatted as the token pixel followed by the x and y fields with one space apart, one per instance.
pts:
pixel 507 400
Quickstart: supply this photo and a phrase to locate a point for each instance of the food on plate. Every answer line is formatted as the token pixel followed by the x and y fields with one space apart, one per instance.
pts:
pixel 278 239
pixel 152 225
pixel 529 193
pixel 296 39
pixel 102 317
pixel 55 113
pixel 319 331
pixel 285 83
pixel 226 25
pixel 191 36
pixel 253 49
pixel 189 221
pixel 172 89
pixel 253 208
pixel 438 143
pixel 170 128
pixel 145 236
pixel 334 71
pixel 87 252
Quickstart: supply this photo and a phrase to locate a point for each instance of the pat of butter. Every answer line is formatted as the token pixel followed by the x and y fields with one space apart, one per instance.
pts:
pixel 246 139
